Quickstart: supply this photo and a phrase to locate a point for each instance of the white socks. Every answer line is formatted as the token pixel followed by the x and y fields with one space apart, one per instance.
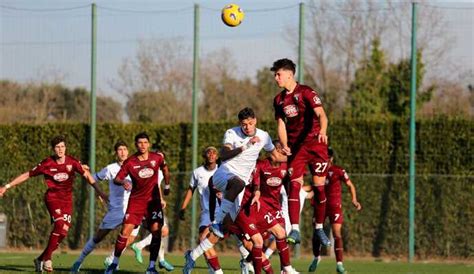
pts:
pixel 145 242
pixel 295 227
pixel 203 246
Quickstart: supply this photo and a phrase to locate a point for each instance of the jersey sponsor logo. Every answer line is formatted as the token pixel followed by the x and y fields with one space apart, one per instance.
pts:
pixel 291 110
pixel 317 100
pixel 69 168
pixel 61 177
pixel 274 181
pixel 153 163
pixel 146 173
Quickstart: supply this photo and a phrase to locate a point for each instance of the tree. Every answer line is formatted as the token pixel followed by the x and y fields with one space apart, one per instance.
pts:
pixel 381 89
pixel 51 103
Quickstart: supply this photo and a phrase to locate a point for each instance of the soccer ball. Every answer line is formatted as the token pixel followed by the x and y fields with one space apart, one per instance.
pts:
pixel 232 15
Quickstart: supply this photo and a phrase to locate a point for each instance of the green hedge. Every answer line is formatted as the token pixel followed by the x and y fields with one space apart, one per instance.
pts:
pixel 375 153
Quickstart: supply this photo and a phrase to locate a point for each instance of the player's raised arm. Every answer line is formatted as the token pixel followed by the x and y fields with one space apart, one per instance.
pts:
pixel 18 180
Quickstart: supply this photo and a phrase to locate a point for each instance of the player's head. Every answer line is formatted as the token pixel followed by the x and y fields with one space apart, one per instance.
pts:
pixel 247 121
pixel 330 153
pixel 58 144
pixel 284 71
pixel 278 145
pixel 142 142
pixel 121 150
pixel 210 154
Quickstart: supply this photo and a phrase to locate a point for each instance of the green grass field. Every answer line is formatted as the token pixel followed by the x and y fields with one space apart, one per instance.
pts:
pixel 22 263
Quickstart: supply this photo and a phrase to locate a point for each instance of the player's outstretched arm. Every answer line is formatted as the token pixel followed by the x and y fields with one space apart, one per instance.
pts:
pixel 227 152
pixel 352 189
pixel 18 180
pixel 90 179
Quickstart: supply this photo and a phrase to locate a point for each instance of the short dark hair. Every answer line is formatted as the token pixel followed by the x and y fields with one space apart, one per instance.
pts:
pixel 330 152
pixel 246 113
pixel 120 143
pixel 142 135
pixel 57 139
pixel 285 64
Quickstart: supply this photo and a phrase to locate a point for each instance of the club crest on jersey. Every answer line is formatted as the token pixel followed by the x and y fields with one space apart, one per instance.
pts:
pixel 153 163
pixel 146 173
pixel 61 177
pixel 274 181
pixel 291 110
pixel 69 168
pixel 283 173
pixel 57 211
pixel 317 100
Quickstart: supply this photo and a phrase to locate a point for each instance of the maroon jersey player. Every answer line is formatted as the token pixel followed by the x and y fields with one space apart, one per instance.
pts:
pixel 302 127
pixel 336 177
pixel 268 180
pixel 146 200
pixel 59 173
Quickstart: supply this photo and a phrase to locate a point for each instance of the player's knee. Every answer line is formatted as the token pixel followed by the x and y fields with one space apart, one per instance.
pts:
pixel 61 227
pixel 257 240
pixel 234 188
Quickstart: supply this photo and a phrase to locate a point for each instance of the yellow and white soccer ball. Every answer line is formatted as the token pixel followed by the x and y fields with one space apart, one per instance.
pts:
pixel 232 15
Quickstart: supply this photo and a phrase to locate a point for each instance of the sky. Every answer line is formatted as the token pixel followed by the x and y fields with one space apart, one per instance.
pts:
pixel 50 40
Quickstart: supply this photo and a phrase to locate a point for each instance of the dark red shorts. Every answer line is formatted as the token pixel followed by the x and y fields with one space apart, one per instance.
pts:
pixel 268 218
pixel 334 213
pixel 246 222
pixel 59 209
pixel 311 153
pixel 150 211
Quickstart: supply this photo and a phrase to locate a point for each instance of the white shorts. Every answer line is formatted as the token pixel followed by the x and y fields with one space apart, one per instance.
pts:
pixel 220 179
pixel 204 219
pixel 114 219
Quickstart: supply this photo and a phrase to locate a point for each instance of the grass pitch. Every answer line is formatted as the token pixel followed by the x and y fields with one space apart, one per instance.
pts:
pixel 23 263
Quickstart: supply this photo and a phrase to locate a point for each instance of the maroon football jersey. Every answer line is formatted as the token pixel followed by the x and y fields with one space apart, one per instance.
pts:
pixel 58 177
pixel 336 175
pixel 270 180
pixel 144 175
pixel 296 109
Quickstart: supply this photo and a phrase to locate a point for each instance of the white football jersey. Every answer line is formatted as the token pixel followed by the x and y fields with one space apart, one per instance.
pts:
pixel 200 181
pixel 118 196
pixel 243 164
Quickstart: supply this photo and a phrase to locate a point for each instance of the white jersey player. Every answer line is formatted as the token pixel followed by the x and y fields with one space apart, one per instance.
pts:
pixel 200 181
pixel 118 201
